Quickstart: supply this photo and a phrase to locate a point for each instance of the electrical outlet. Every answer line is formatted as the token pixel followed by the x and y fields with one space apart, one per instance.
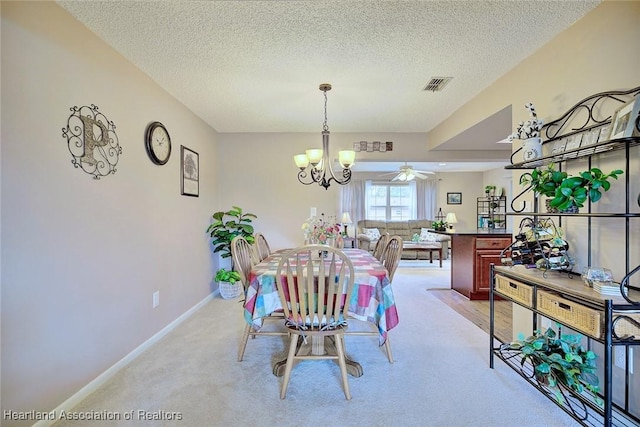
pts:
pixel 156 299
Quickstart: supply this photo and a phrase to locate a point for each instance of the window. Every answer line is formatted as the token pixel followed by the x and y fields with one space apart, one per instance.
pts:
pixel 387 201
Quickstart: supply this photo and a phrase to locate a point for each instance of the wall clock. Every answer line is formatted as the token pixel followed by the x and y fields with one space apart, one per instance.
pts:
pixel 158 143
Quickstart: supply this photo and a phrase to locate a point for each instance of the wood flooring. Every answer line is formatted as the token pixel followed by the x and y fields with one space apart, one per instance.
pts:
pixel 477 312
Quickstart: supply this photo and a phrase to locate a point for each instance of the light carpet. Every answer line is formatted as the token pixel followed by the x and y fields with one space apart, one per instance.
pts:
pixel 441 374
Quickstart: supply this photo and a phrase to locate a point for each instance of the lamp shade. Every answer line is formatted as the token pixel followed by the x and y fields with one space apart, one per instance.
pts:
pixel 314 155
pixel 346 219
pixel 346 158
pixel 302 161
pixel 451 218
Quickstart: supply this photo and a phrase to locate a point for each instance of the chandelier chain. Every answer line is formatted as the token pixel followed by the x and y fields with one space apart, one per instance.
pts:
pixel 325 126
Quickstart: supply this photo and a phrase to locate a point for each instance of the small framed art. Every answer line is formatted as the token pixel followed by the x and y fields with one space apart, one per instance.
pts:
pixel 189 172
pixel 573 142
pixel 559 146
pixel 454 198
pixel 624 119
pixel 604 133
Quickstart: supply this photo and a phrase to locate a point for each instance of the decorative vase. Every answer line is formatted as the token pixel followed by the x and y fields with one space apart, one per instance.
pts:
pixel 532 148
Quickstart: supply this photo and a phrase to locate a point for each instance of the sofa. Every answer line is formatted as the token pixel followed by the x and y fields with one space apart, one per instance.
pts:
pixel 406 230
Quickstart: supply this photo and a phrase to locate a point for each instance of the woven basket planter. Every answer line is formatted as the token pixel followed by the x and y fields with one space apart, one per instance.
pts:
pixel 229 291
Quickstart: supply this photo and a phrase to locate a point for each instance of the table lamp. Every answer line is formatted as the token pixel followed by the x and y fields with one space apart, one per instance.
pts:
pixel 346 220
pixel 451 219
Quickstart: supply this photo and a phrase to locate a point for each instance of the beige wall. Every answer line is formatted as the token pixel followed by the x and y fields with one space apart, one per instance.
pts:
pixel 81 258
pixel 594 55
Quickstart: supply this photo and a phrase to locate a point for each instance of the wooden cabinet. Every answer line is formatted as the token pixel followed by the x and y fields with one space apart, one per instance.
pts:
pixel 471 257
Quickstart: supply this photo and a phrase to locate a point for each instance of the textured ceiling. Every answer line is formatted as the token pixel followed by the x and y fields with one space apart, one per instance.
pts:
pixel 255 66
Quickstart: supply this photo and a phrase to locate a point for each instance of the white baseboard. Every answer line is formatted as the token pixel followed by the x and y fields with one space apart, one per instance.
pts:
pixel 85 391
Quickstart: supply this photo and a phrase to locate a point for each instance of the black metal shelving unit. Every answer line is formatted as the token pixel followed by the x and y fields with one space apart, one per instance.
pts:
pixel 491 212
pixel 610 309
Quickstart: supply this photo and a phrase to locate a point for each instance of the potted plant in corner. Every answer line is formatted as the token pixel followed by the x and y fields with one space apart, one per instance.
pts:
pixel 558 361
pixel 225 226
pixel 227 280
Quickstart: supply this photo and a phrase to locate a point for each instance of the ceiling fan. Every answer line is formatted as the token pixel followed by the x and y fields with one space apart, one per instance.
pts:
pixel 408 173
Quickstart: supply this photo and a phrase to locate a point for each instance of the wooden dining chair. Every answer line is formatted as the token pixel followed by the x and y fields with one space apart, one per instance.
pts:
pixel 243 257
pixel 390 258
pixel 315 293
pixel 381 245
pixel 263 249
pixel 391 254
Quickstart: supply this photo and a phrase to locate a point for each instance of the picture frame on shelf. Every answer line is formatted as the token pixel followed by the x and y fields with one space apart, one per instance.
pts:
pixel 591 137
pixel 189 172
pixel 624 119
pixel 589 140
pixel 573 142
pixel 559 146
pixel 604 133
pixel 454 198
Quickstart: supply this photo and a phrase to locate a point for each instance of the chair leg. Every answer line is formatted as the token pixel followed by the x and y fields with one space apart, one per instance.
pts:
pixel 343 365
pixel 387 346
pixel 293 344
pixel 243 343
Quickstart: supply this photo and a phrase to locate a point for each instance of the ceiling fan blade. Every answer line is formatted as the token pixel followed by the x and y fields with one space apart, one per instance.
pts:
pixel 421 176
pixel 425 172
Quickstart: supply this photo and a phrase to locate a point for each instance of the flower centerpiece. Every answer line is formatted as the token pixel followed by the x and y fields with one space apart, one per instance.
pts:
pixel 321 230
pixel 529 132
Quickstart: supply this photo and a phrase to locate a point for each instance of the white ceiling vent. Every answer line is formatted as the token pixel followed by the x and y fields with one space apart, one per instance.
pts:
pixel 436 84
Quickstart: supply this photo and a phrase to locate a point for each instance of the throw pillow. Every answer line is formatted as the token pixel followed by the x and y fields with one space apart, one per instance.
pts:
pixel 372 233
pixel 427 236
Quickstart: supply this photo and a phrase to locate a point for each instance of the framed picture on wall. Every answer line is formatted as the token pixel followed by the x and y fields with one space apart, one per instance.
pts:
pixel 454 198
pixel 189 172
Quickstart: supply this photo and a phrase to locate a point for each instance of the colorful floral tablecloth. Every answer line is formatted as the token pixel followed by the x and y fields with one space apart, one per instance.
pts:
pixel 372 298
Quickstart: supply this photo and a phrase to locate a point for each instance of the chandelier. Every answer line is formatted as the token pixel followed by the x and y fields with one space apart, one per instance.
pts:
pixel 321 170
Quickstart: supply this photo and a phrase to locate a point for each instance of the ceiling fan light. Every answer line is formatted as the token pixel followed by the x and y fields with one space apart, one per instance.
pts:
pixel 402 176
pixel 410 175
pixel 302 161
pixel 346 158
pixel 314 155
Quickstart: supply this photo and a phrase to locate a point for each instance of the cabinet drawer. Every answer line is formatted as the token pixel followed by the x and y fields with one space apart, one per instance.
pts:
pixel 572 314
pixel 492 243
pixel 515 290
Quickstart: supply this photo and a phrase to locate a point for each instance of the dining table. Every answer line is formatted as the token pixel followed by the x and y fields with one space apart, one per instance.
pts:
pixel 372 299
